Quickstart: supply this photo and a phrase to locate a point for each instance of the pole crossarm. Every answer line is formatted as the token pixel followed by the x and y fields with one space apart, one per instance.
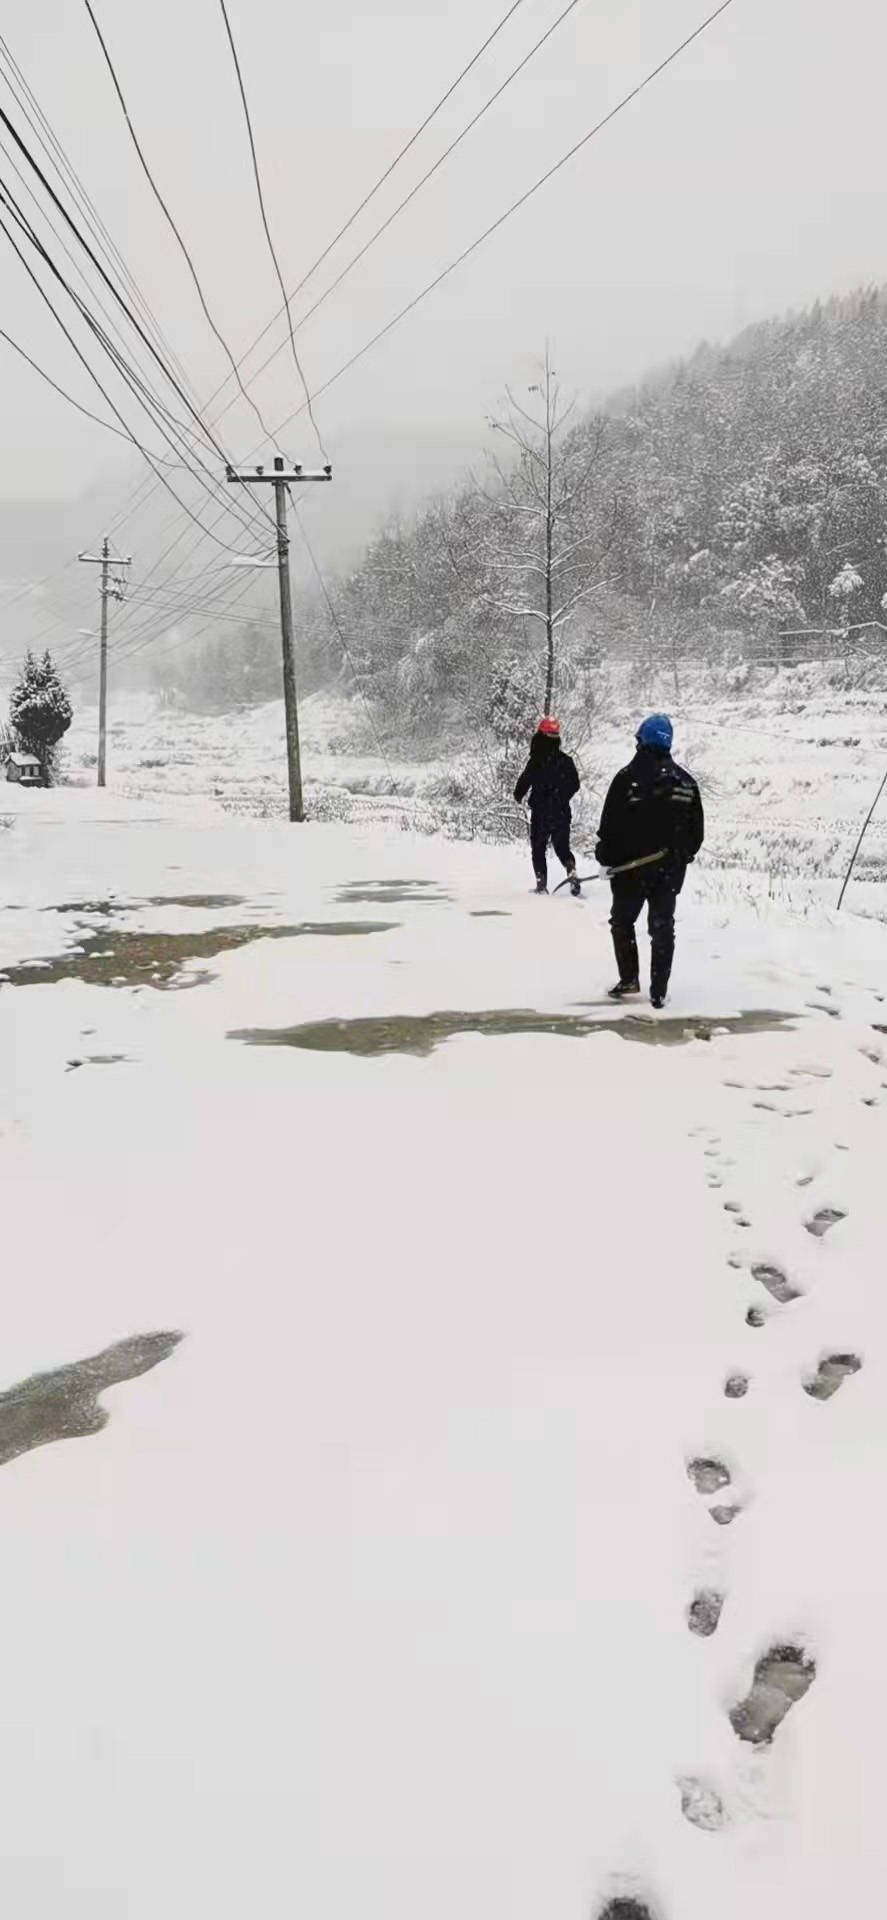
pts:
pixel 259 476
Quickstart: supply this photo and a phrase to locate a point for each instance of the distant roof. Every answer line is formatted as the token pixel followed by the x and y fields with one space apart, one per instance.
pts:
pixel 24 760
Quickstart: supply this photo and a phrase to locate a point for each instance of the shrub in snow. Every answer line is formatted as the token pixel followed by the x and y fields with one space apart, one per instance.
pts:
pixel 40 712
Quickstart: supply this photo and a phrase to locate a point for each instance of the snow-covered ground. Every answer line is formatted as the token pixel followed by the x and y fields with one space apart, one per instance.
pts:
pixel 374 1592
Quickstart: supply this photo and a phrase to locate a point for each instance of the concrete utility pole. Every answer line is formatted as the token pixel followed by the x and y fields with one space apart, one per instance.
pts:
pixel 110 589
pixel 281 478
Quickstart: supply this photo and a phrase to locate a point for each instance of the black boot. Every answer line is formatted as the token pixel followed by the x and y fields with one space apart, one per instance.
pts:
pixel 625 990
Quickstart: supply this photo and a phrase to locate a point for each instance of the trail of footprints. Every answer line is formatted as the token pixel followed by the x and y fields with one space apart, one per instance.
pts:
pixel 785 1672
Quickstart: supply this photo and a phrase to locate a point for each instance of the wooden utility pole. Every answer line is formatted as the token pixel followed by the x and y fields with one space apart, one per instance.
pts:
pixel 280 479
pixel 109 589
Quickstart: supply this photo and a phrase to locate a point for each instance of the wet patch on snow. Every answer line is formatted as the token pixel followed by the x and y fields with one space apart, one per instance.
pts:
pixel 393 893
pixel 420 1033
pixel 135 959
pixel 97 1060
pixel 782 1677
pixel 64 1404
pixel 831 1373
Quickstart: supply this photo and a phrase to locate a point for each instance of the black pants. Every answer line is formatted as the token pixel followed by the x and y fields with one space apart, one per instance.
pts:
pixel 543 829
pixel 659 887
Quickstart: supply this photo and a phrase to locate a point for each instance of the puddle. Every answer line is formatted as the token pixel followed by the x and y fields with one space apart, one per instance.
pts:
pixel 392 893
pixel 128 959
pixel 208 902
pixel 782 1677
pixel 64 1405
pixel 831 1374
pixel 97 1060
pixel 420 1033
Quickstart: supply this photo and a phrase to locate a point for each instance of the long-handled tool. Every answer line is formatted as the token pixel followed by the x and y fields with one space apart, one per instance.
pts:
pixel 606 873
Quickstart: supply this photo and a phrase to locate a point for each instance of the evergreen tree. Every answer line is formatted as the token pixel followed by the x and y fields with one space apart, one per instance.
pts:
pixel 40 711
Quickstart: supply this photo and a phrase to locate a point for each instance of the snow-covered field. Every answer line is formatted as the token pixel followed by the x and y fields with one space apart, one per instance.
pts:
pixel 789 769
pixel 374 1592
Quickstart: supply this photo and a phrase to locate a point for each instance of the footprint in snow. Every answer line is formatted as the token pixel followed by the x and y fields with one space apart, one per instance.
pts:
pixel 736 1386
pixel 708 1477
pixel 782 1676
pixel 821 1006
pixel 755 1317
pixel 626 1907
pixel 831 1373
pixel 777 1283
pixel 823 1220
pixel 704 1612
pixel 701 1805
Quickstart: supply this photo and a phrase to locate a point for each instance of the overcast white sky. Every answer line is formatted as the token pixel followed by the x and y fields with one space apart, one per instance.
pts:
pixel 749 178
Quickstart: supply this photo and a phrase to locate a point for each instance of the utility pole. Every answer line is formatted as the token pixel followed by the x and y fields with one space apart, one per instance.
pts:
pixel 280 479
pixel 110 589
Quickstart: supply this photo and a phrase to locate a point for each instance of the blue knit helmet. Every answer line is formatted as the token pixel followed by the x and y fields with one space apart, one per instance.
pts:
pixel 657 731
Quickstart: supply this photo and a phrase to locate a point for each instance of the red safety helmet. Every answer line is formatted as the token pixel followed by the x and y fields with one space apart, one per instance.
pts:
pixel 551 727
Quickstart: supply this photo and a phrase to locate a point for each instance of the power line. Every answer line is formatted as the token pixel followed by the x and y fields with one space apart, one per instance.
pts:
pixel 146 397
pixel 24 225
pixel 81 275
pixel 380 183
pixel 106 424
pixel 40 126
pixel 414 191
pixel 122 303
pixel 271 248
pixel 169 218
pixel 387 173
pixel 515 207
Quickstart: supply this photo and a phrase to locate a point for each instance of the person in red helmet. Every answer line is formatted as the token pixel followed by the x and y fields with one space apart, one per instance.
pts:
pixel 551 780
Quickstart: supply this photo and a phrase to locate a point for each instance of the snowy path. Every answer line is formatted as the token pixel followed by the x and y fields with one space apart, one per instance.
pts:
pixel 375 1590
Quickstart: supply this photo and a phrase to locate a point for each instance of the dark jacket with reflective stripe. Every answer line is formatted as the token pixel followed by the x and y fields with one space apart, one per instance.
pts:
pixel 550 779
pixel 652 804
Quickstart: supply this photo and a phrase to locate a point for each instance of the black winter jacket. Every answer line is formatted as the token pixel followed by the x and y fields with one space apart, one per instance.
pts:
pixel 550 779
pixel 652 803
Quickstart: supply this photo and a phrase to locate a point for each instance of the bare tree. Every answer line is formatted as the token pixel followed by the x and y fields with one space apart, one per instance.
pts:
pixel 541 545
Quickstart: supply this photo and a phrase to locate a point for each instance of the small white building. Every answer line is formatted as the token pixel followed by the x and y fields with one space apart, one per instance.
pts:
pixel 24 769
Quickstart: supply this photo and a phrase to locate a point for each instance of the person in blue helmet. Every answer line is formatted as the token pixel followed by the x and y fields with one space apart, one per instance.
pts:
pixel 652 815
